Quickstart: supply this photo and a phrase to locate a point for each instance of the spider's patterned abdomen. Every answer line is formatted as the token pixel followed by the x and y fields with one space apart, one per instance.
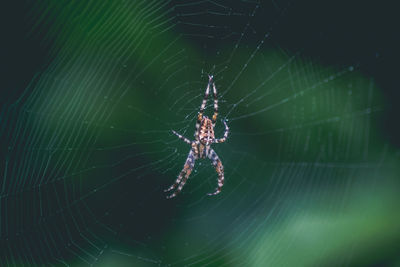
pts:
pixel 206 134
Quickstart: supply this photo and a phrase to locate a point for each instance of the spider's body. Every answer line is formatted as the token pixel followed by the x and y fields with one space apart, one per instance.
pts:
pixel 201 146
pixel 200 151
pixel 206 134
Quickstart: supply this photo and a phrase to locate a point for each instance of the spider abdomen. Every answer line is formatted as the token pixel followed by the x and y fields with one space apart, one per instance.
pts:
pixel 206 134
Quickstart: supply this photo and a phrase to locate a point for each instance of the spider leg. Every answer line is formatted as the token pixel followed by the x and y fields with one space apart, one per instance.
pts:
pixel 184 174
pixel 182 137
pixel 202 108
pixel 177 181
pixel 216 162
pixel 223 139
pixel 215 115
pixel 181 185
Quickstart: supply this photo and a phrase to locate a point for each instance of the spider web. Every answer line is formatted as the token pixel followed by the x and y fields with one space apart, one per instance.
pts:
pixel 87 148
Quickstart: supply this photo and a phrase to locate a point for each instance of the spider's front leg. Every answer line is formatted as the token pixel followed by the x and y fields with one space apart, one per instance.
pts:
pixel 216 162
pixel 183 175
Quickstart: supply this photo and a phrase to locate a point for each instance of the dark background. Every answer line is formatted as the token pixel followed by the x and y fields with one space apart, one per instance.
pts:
pixel 337 32
pixel 130 218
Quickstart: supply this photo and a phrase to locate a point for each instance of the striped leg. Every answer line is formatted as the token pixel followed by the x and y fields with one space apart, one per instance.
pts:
pixel 181 185
pixel 223 139
pixel 215 115
pixel 182 137
pixel 202 108
pixel 216 162
pixel 187 169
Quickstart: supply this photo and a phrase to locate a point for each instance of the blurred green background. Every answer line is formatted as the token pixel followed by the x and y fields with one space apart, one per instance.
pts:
pixel 92 89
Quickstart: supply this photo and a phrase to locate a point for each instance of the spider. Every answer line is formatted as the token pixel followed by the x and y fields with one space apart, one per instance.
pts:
pixel 201 146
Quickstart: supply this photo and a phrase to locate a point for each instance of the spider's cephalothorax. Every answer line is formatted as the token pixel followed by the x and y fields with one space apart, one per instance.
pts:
pixel 204 137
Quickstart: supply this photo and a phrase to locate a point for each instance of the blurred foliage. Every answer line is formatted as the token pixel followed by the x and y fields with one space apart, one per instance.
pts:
pixel 311 178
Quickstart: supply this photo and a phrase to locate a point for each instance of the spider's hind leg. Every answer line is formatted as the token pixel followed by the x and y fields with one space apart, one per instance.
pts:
pixel 216 162
pixel 202 108
pixel 215 115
